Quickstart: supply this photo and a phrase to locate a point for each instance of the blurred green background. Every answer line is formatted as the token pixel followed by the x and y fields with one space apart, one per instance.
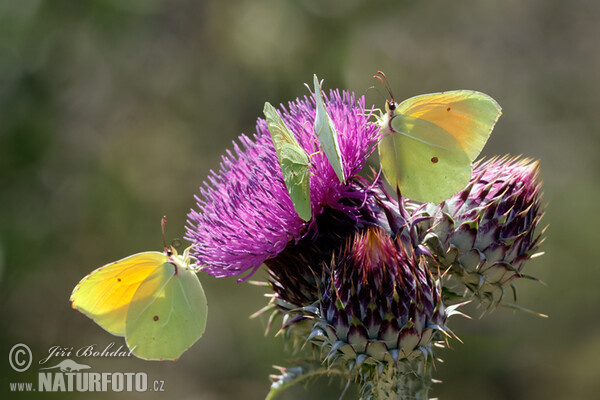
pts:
pixel 112 112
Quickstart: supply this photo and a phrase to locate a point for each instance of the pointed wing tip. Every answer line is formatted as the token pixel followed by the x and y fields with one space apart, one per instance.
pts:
pixel 267 108
pixel 316 82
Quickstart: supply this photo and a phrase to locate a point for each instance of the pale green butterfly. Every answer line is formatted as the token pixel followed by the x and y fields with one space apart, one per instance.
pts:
pixel 294 162
pixel 328 135
pixel 153 299
pixel 430 141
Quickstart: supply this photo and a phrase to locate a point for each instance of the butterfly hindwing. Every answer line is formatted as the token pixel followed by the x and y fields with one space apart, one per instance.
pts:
pixel 167 314
pixel 422 170
pixel 294 162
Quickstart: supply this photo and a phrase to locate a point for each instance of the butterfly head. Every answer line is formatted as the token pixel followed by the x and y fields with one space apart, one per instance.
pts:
pixel 184 261
pixel 390 106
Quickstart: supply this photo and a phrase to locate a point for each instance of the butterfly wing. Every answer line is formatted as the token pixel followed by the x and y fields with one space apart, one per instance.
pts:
pixel 425 162
pixel 328 136
pixel 104 295
pixel 293 160
pixel 167 314
pixel 467 115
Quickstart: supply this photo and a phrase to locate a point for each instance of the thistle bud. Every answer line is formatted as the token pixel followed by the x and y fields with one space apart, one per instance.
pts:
pixel 486 233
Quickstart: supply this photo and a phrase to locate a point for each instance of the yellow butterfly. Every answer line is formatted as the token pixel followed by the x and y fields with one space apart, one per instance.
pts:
pixel 430 141
pixel 153 299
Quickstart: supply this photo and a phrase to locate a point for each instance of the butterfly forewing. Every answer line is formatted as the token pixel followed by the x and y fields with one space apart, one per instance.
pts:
pixel 467 115
pixel 104 295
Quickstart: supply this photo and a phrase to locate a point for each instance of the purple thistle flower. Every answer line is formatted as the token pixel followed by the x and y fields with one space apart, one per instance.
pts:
pixel 245 215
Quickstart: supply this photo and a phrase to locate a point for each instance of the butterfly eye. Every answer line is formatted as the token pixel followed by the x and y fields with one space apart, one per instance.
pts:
pixel 391 105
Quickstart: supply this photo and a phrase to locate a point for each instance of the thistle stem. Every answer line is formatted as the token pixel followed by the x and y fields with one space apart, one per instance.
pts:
pixel 408 380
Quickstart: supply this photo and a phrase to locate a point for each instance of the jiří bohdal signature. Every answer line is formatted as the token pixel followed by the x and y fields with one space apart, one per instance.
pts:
pixel 92 350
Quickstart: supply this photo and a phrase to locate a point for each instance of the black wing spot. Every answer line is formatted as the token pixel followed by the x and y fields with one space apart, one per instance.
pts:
pixel 448 109
pixel 155 318
pixel 435 160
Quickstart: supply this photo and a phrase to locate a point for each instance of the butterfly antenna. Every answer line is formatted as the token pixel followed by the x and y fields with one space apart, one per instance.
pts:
pixel 373 88
pixel 308 87
pixel 383 79
pixel 163 223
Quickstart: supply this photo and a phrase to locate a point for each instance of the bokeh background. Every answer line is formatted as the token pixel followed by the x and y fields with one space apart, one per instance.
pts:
pixel 112 113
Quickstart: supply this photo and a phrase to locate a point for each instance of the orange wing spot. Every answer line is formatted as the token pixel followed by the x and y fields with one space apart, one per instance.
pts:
pixel 119 279
pixel 448 109
pixel 155 318
pixel 434 160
